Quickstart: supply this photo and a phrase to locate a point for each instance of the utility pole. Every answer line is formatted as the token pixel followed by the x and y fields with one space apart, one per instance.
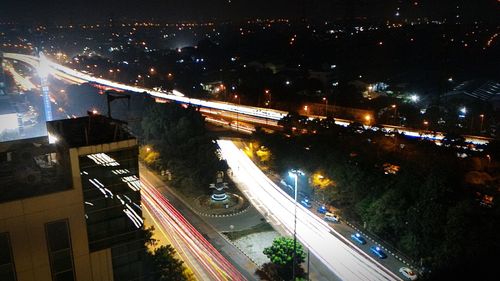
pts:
pixel 295 174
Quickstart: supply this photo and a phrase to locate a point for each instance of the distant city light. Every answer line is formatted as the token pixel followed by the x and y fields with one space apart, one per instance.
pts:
pixel 414 98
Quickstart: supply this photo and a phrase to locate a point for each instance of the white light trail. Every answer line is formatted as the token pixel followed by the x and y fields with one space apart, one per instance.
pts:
pixel 271 114
pixel 336 252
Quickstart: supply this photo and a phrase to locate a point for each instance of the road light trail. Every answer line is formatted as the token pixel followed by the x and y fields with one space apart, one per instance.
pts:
pixel 215 266
pixel 265 114
pixel 57 69
pixel 173 240
pixel 23 82
pixel 336 252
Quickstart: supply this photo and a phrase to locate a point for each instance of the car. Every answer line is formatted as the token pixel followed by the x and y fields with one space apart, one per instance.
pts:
pixel 331 217
pixel 408 273
pixel 358 238
pixel 322 209
pixel 306 203
pixel 377 251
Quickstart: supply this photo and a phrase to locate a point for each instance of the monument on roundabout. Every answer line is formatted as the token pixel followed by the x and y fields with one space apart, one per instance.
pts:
pixel 218 194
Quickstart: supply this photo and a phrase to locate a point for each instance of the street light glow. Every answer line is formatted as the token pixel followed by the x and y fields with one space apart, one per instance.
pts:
pixel 294 173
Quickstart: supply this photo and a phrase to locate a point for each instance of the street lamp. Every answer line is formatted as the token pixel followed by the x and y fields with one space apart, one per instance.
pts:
pixel 368 119
pixel 295 175
pixel 268 92
pixel 326 106
pixel 395 111
pixel 237 114
pixel 414 98
pixel 482 119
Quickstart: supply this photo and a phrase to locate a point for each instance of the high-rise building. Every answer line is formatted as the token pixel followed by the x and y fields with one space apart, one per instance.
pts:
pixel 70 204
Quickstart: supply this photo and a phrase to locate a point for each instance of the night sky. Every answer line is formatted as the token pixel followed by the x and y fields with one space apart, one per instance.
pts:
pixel 201 10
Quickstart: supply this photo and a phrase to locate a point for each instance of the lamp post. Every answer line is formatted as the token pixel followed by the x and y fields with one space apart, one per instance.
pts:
pixel 268 92
pixel 368 119
pixel 395 112
pixel 295 175
pixel 237 114
pixel 481 126
pixel 268 102
pixel 326 106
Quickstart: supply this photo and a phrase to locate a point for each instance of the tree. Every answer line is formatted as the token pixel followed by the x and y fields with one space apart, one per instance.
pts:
pixel 181 144
pixel 280 254
pixel 166 266
pixel 161 264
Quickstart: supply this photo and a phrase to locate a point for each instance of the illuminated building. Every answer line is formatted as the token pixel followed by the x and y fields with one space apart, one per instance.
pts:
pixel 70 204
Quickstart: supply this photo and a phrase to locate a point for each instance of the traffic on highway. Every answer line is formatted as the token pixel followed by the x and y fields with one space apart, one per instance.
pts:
pixel 338 253
pixel 263 114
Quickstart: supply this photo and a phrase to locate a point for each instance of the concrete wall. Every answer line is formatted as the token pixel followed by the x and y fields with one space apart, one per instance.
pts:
pixel 25 221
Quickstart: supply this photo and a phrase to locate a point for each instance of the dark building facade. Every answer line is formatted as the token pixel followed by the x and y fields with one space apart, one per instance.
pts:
pixel 76 214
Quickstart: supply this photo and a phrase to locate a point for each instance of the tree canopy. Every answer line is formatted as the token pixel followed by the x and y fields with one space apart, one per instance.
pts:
pixel 281 264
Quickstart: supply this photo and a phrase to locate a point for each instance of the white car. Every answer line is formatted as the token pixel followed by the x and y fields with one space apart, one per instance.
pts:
pixel 408 273
pixel 331 217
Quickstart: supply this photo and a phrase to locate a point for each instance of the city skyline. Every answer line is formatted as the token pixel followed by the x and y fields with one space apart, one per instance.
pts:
pixel 72 11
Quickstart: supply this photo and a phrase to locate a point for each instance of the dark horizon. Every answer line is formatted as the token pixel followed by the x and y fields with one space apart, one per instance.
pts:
pixel 73 11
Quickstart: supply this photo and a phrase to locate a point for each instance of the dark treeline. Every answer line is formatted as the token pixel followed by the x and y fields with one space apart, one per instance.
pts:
pixel 185 148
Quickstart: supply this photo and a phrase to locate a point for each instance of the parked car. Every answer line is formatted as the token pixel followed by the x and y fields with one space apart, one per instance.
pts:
pixel 408 273
pixel 378 252
pixel 306 203
pixel 331 217
pixel 358 238
pixel 322 209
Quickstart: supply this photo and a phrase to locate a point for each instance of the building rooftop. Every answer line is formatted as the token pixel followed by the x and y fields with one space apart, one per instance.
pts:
pixel 32 167
pixel 89 130
pixel 35 166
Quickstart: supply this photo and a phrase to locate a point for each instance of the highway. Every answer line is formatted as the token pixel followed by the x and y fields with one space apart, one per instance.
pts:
pixel 339 254
pixel 261 116
pixel 69 74
pixel 205 261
